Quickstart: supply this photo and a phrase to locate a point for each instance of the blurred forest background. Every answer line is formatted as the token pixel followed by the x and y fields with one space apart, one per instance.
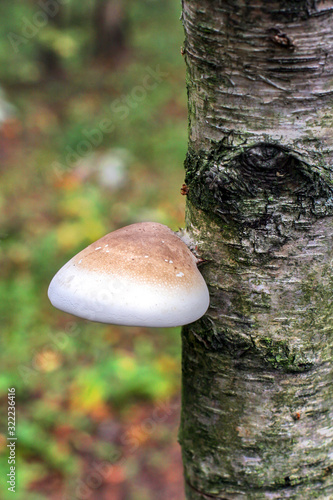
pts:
pixel 93 134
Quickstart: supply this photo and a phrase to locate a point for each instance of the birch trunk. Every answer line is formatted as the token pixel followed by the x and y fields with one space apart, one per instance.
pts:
pixel 257 409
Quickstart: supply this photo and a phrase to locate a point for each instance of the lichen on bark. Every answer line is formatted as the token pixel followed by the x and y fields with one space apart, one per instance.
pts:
pixel 257 416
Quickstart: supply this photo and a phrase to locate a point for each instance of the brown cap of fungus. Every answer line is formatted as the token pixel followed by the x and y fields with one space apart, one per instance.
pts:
pixel 140 275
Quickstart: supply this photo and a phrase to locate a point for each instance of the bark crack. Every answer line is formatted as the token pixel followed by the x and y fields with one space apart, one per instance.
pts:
pixel 204 495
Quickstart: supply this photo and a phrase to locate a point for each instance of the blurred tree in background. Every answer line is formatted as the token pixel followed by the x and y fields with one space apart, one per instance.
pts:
pixel 111 26
pixel 92 137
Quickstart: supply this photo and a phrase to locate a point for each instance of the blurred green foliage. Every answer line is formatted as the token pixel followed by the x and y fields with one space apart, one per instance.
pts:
pixel 73 377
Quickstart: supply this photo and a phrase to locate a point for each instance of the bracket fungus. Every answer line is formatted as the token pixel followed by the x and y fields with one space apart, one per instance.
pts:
pixel 139 275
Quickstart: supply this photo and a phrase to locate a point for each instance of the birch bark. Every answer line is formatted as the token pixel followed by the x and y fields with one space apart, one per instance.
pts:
pixel 257 403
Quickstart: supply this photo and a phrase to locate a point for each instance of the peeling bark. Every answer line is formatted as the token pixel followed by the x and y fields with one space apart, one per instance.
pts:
pixel 257 417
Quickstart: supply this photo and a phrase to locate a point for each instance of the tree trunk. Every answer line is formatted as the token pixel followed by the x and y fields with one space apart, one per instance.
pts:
pixel 48 57
pixel 257 369
pixel 111 29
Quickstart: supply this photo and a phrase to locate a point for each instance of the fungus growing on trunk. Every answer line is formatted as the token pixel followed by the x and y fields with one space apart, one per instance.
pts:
pixel 139 275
